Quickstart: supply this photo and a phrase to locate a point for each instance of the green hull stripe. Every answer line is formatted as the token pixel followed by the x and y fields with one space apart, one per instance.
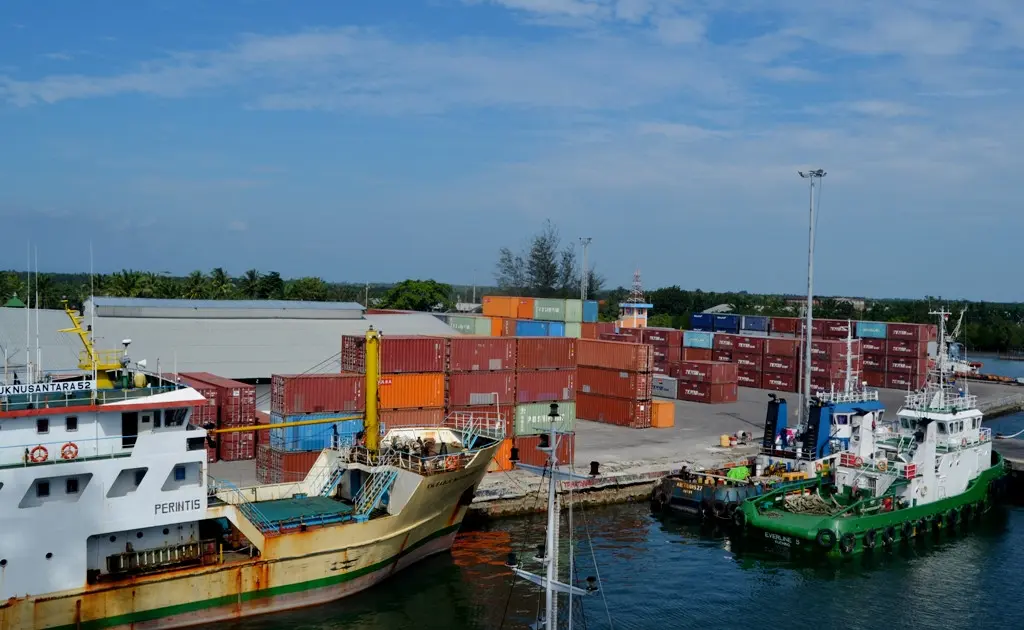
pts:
pixel 230 600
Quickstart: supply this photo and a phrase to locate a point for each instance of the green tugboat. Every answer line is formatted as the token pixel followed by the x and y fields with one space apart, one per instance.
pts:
pixel 933 467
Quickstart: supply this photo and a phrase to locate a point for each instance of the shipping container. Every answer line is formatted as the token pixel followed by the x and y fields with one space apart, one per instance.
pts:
pixel 754 323
pixel 405 391
pixel 537 386
pixel 721 355
pixel 727 323
pixel 501 461
pixel 832 369
pixel 750 344
pixel 236 402
pixel 667 354
pixel 399 354
pixel 875 362
pixel 903 381
pixel 531 328
pixel 275 466
pixel 664 386
pixel 748 360
pixel 590 311
pixel 500 306
pixel 236 446
pixel 663 414
pixel 633 357
pixel 698 339
pixel 534 418
pixel 708 392
pixel 528 454
pixel 906 365
pixel 780 365
pixel 824 384
pixel 666 337
pixel 874 378
pixel 480 388
pixel 556 329
pixel 835 328
pixel 698 354
pixel 502 327
pixel 724 341
pixel 525 308
pixel 405 418
pixel 205 414
pixel 817 327
pixel 606 327
pixel 784 325
pixel 549 309
pixel 661 367
pixel 782 347
pixel 616 337
pixel 573 311
pixel 482 326
pixel 464 324
pixel 588 331
pixel 873 346
pixel 777 382
pixel 618 411
pixel 312 437
pixel 871 330
pixel 702 321
pixel 313 393
pixel 712 372
pixel 911 332
pixel 573 329
pixel 481 354
pixel 547 353
pixel 616 383
pixel 901 348
pixel 748 378
pixel 834 349
pixel 635 335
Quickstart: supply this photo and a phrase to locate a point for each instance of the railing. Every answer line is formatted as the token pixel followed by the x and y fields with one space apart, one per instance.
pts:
pixel 488 424
pixel 418 464
pixel 246 507
pixel 202 552
pixel 370 495
pixel 23 402
pixel 948 402
pixel 848 397
pixel 65 451
pixel 103 358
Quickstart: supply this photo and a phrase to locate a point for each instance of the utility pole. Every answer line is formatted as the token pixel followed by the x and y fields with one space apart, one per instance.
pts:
pixel 585 273
pixel 804 415
pixel 474 286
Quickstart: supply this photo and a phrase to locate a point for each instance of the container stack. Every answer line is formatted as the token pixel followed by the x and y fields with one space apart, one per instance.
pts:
pixel 506 316
pixel 481 374
pixel 614 382
pixel 711 382
pixel 236 407
pixel 896 354
pixel 829 363
pixel 204 414
pixel 780 367
pixel 666 345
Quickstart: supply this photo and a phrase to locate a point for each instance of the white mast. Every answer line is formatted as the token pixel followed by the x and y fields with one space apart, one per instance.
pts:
pixel 39 352
pixel 804 416
pixel 92 314
pixel 28 312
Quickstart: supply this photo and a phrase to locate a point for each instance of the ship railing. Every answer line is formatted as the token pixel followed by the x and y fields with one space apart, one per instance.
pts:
pixel 968 440
pixel 424 465
pixel 25 402
pixel 947 402
pixel 104 358
pixel 865 395
pixel 849 459
pixel 487 424
pixel 71 449
pixel 201 552
pixel 222 487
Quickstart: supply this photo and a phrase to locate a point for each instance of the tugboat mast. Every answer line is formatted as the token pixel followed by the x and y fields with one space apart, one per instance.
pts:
pixel 805 406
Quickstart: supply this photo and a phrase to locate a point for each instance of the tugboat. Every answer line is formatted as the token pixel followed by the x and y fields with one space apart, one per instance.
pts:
pixel 931 468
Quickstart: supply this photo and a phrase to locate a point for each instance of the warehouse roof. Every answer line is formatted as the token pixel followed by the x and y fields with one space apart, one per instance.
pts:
pixel 217 309
pixel 254 304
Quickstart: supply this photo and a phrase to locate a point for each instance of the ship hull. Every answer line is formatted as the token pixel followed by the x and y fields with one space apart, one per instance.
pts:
pixel 296 570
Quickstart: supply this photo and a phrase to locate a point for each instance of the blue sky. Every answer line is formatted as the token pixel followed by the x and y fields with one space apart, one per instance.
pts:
pixel 381 140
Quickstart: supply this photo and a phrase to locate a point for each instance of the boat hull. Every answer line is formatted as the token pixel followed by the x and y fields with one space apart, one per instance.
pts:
pixel 298 569
pixel 699 500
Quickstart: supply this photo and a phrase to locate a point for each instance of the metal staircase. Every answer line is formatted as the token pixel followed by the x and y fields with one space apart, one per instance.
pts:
pixel 383 477
pixel 333 480
pixel 248 508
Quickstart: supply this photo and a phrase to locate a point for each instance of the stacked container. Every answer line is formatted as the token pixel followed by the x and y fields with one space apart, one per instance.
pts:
pixel 780 367
pixel 206 413
pixel 829 362
pixel 505 316
pixel 236 407
pixel 896 354
pixel 614 383
pixel 481 375
pixel 746 351
pixel 309 397
pixel 666 344
pixel 707 381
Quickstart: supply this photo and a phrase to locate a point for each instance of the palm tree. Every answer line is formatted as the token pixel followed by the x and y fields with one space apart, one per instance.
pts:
pixel 123 283
pixel 220 285
pixel 249 284
pixel 194 287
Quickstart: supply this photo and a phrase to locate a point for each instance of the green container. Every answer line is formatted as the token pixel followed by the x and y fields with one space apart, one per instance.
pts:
pixel 573 329
pixel 463 324
pixel 573 312
pixel 482 326
pixel 549 310
pixel 532 418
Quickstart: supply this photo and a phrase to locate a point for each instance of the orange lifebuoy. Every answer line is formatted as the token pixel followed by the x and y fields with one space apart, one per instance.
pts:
pixel 963 443
pixel 817 467
pixel 451 463
pixel 39 454
pixel 69 451
pixel 858 462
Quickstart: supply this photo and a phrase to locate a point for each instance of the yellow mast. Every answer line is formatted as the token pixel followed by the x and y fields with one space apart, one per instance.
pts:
pixel 102 364
pixel 372 422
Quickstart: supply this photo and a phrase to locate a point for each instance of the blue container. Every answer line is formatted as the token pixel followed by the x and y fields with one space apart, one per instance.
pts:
pixel 727 323
pixel 871 330
pixel 556 329
pixel 590 311
pixel 754 323
pixel 532 328
pixel 698 339
pixel 702 321
pixel 312 437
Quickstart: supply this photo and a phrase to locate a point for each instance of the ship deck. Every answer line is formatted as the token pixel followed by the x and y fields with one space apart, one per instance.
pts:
pixel 298 511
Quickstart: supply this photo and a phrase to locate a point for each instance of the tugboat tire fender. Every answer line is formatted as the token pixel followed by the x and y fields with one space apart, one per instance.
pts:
pixel 719 508
pixel 951 518
pixel 888 535
pixel 846 543
pixel 869 539
pixel 907 530
pixel 826 538
pixel 739 519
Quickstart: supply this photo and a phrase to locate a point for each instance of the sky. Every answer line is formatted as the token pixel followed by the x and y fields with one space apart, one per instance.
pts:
pixel 375 141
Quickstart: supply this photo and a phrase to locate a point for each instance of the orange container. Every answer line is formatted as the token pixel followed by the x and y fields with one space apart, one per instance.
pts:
pixel 663 414
pixel 401 418
pixel 411 391
pixel 588 330
pixel 524 310
pixel 497 326
pixel 500 306
pixel 501 461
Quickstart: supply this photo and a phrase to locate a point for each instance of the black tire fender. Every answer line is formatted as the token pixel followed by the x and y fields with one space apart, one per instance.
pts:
pixel 869 539
pixel 847 543
pixel 826 538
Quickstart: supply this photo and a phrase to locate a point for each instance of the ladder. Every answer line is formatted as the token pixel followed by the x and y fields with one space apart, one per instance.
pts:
pixel 383 477
pixel 249 509
pixel 333 480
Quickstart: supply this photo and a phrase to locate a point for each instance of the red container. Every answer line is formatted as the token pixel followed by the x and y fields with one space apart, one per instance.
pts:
pixel 824 384
pixel 782 347
pixel 236 402
pixel 780 365
pixel 748 360
pixel 899 380
pixel 784 325
pixel 833 349
pixel 236 446
pixel 698 354
pixel 873 346
pixel 619 411
pixel 635 335
pixel 606 327
pixel 723 356
pixel 631 357
pixel 779 382
pixel 529 455
pixel 588 330
pixel 911 332
pixel 874 378
pixel 724 341
pixel 874 362
pixel 662 367
pixel 900 348
pixel 708 393
pixel 402 418
pixel 546 353
pixel 398 354
pixel 670 337
pixel 545 386
pixel 667 354
pixel 748 378
pixel 274 466
pixel 817 327
pixel 835 328
pixel 823 368
pixel 752 345
pixel 906 365
pixel 313 393
pixel 615 383
pixel 204 414
pixel 713 372
pixel 478 388
pixel 508 327
pixel 481 354
pixel 615 337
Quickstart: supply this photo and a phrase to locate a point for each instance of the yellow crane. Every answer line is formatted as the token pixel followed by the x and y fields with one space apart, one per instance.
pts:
pixel 104 363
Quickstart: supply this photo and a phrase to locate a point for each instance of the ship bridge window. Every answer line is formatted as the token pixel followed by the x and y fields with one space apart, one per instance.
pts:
pixel 42 488
pixel 174 417
pixel 941 426
pixel 977 423
pixel 43 425
pixel 71 486
pixel 71 423
pixel 842 420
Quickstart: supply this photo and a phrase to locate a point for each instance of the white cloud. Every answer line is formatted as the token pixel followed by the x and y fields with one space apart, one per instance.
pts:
pixel 680 30
pixel 885 109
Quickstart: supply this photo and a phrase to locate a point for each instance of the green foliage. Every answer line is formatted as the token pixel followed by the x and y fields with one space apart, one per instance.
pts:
pixel 419 295
pixel 545 268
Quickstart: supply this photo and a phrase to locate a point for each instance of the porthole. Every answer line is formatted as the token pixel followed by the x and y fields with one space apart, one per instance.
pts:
pixel 49 555
pixel 3 563
pixel 166 531
pixel 138 535
pixel 113 538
